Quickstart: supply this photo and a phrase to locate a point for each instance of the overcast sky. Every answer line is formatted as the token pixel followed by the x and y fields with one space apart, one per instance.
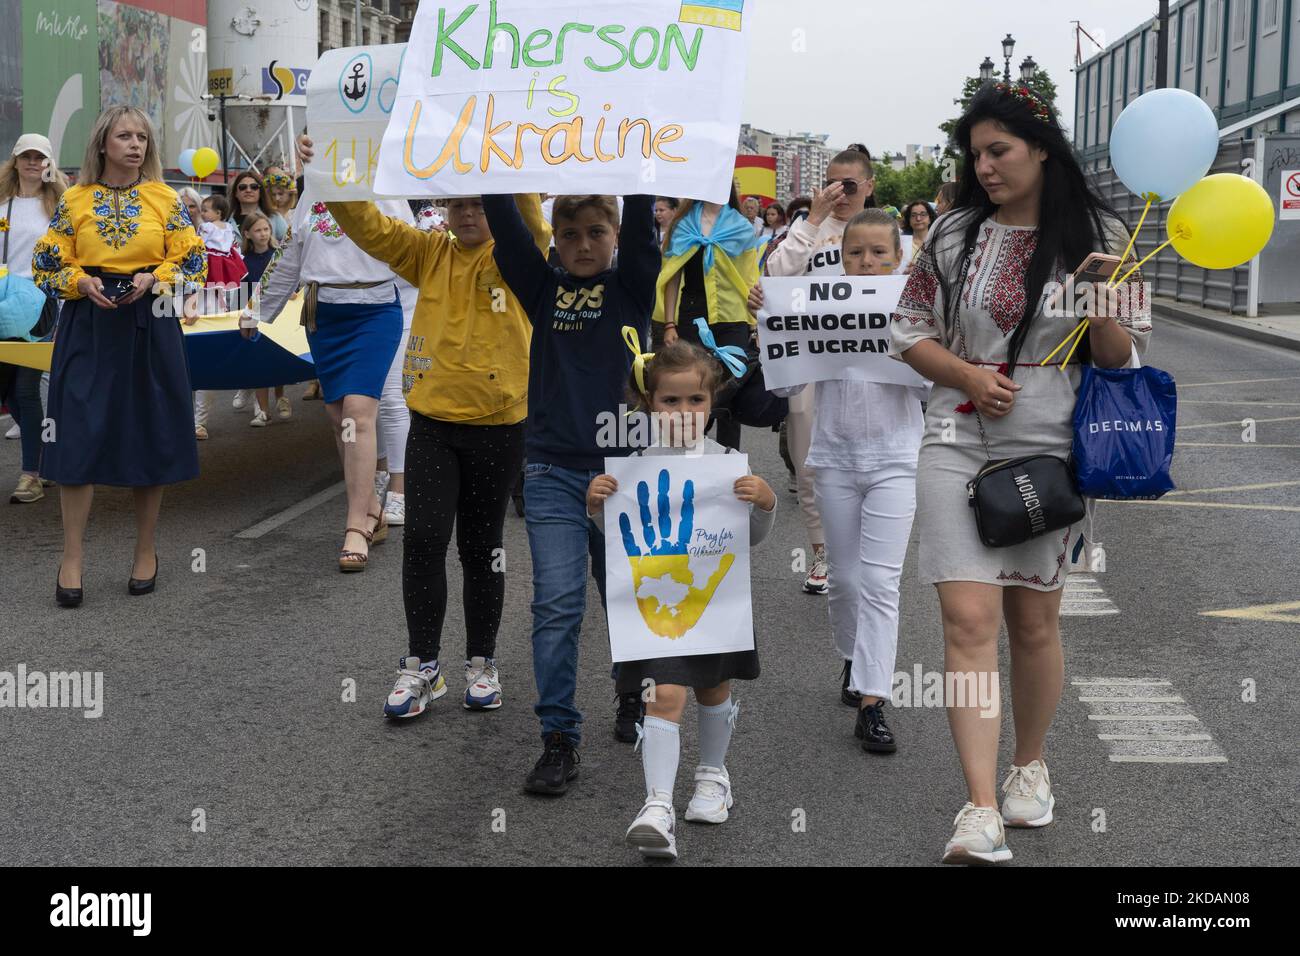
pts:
pixel 885 72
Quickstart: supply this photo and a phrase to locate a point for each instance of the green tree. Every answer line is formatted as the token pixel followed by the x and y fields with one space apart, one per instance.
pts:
pixel 898 187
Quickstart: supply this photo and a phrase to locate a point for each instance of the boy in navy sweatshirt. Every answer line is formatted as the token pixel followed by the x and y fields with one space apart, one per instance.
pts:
pixel 577 378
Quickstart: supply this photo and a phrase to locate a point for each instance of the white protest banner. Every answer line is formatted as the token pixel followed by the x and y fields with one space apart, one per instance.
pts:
pixel 812 329
pixel 677 557
pixel 828 260
pixel 350 95
pixel 602 96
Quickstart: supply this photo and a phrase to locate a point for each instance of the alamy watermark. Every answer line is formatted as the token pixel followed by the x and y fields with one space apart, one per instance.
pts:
pixel 38 690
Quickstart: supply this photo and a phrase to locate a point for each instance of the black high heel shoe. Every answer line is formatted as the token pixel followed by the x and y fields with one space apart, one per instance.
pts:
pixel 137 587
pixel 66 597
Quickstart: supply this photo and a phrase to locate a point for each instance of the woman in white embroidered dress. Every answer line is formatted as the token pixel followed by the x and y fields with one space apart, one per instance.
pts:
pixel 1024 218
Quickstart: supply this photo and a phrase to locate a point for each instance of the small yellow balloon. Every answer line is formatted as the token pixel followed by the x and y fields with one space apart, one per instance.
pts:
pixel 205 162
pixel 1221 222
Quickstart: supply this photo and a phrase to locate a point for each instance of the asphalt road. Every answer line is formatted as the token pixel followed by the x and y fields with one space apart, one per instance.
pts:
pixel 224 691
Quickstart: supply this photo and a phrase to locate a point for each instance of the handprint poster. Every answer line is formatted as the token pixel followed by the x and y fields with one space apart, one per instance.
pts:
pixel 677 557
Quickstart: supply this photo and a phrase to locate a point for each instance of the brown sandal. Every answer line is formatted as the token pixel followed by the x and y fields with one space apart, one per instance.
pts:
pixel 350 561
pixel 380 534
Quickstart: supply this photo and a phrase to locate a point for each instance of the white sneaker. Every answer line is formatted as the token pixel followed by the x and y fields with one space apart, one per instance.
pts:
pixel 14 432
pixel 381 485
pixel 482 684
pixel 283 408
pixel 395 509
pixel 654 831
pixel 816 582
pixel 979 837
pixel 1027 799
pixel 259 419
pixel 417 685
pixel 240 400
pixel 712 797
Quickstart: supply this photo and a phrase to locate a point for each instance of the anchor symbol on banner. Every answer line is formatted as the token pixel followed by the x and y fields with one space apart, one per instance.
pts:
pixel 358 88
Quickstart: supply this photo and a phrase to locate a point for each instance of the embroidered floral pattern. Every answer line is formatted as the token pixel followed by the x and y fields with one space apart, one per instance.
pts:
pixel 1004 294
pixel 919 295
pixel 1036 579
pixel 62 222
pixel 4 224
pixel 178 218
pixel 117 215
pixel 49 271
pixel 322 222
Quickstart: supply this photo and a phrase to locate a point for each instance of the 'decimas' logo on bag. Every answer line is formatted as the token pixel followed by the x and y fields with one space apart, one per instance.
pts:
pixel 674 578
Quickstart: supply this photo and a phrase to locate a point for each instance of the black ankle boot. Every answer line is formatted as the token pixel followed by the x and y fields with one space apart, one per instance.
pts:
pixel 872 730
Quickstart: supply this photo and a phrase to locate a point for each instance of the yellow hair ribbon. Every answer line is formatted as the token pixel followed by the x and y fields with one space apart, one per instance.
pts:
pixel 639 358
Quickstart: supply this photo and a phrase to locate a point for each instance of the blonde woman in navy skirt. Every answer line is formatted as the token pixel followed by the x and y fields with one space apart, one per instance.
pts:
pixel 354 326
pixel 119 242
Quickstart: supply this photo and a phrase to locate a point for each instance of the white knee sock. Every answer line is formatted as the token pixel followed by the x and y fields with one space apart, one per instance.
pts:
pixel 661 745
pixel 716 723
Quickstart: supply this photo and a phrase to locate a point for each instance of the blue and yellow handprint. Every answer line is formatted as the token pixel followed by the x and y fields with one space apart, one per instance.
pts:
pixel 666 557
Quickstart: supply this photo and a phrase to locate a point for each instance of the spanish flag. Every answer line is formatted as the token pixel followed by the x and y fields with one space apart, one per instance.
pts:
pixel 756 176
pixel 713 13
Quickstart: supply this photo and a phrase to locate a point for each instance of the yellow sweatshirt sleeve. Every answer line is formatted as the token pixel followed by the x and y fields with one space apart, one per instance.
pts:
pixel 530 208
pixel 389 240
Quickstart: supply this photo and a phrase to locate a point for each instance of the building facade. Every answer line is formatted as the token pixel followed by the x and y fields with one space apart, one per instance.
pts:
pixel 1241 56
pixel 382 21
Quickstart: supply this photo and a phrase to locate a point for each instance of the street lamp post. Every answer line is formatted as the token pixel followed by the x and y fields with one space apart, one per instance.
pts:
pixel 1027 70
pixel 1008 47
pixel 987 69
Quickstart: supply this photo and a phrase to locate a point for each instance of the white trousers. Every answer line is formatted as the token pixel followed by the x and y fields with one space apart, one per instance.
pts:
pixel 798 435
pixel 394 417
pixel 202 403
pixel 868 519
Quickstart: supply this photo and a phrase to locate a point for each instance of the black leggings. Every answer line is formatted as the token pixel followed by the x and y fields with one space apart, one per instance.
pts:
pixel 457 475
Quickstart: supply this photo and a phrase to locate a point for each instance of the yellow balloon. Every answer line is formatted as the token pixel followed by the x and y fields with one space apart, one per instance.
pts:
pixel 205 162
pixel 1221 222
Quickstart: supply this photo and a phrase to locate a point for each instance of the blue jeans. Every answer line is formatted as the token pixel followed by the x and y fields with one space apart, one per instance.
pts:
pixel 561 538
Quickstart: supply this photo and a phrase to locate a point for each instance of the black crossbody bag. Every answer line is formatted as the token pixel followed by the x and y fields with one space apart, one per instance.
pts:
pixel 1016 499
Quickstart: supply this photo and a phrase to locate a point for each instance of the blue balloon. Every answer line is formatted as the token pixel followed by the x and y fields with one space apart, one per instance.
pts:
pixel 186 162
pixel 1164 143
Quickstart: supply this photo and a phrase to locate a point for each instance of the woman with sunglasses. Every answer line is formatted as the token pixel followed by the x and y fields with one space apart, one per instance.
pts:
pixel 247 196
pixel 813 242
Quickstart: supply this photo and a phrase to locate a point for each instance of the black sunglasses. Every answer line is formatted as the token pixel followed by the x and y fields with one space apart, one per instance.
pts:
pixel 243 186
pixel 850 185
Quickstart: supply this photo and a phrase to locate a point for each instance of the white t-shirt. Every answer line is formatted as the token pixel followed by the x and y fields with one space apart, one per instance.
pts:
pixel 27 223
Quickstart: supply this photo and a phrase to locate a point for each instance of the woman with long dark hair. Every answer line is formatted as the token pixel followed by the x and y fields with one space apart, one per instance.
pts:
pixel 918 217
pixel 973 320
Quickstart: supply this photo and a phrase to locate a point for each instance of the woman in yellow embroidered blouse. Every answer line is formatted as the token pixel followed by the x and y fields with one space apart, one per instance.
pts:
pixel 121 251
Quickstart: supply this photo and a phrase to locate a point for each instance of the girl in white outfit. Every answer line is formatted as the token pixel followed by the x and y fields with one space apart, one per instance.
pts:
pixel 865 441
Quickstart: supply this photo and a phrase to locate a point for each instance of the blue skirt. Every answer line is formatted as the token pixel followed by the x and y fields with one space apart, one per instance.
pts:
pixel 353 347
pixel 120 401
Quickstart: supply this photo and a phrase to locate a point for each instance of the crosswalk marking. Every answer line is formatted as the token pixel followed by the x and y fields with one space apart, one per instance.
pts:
pixel 1083 597
pixel 1150 728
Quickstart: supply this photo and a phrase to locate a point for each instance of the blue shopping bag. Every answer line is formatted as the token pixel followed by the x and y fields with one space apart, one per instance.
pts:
pixel 21 303
pixel 1124 422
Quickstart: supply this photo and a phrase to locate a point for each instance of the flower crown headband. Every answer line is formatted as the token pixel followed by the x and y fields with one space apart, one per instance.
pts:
pixel 1040 109
pixel 277 180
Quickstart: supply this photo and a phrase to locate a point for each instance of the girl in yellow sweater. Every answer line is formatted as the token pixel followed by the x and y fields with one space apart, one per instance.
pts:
pixel 466 383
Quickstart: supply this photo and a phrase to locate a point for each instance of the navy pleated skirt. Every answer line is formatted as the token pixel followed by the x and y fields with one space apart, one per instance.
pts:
pixel 120 401
pixel 353 347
